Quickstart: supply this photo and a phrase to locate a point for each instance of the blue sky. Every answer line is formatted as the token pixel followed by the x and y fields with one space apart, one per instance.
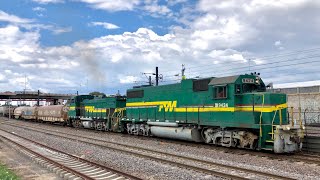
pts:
pixel 106 45
pixel 78 16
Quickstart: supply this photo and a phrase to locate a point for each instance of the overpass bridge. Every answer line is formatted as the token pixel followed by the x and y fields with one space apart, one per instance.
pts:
pixel 34 96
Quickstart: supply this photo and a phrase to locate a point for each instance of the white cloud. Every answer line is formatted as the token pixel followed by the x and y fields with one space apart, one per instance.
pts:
pixel 40 9
pixel 174 2
pixel 106 25
pixel 227 56
pixel 53 28
pixel 48 1
pixel 112 5
pixel 2 77
pixel 30 24
pixel 12 18
pixel 128 79
pixel 298 84
pixel 17 46
pixel 217 39
pixel 59 30
pixel 157 10
pixel 277 43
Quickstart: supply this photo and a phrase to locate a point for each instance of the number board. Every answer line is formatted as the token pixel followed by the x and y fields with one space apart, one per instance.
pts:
pixel 248 80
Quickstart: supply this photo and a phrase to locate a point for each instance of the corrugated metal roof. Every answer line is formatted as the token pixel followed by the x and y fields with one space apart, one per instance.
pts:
pixel 224 80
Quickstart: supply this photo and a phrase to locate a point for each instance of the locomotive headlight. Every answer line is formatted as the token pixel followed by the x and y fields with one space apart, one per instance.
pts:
pixel 257 80
pixel 303 127
pixel 288 128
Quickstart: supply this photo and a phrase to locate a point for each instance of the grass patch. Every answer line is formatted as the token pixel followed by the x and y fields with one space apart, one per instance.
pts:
pixel 6 174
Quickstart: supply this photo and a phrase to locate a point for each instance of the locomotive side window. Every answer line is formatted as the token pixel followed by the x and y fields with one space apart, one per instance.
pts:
pixel 135 94
pixel 220 92
pixel 201 85
pixel 238 89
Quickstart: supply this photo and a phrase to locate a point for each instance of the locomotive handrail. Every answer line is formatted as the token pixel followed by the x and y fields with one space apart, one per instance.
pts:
pixel 274 117
pixel 291 113
pixel 261 115
pixel 300 120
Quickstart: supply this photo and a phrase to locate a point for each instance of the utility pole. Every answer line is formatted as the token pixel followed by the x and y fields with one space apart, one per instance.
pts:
pixel 183 77
pixel 25 86
pixel 9 108
pixel 38 103
pixel 150 83
pixel 157 76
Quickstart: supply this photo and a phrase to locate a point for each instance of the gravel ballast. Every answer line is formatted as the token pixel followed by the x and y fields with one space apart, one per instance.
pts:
pixel 148 169
pixel 140 167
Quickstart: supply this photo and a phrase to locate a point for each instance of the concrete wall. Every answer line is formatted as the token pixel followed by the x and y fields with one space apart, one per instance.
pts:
pixel 308 98
pixel 308 101
pixel 310 106
pixel 295 90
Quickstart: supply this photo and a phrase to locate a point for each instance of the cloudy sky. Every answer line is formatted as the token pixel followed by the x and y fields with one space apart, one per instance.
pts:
pixel 65 46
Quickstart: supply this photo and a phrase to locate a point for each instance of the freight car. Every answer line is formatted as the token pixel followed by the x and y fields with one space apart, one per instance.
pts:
pixel 25 112
pixel 7 111
pixel 2 110
pixel 54 113
pixel 234 111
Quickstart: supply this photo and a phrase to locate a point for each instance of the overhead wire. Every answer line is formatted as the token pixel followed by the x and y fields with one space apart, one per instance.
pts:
pixel 242 66
pixel 263 57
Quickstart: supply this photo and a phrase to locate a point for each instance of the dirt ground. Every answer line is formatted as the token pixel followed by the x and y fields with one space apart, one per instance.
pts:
pixel 22 165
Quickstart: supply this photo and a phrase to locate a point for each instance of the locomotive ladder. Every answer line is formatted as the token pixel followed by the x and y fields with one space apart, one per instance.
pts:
pixel 273 123
pixel 274 126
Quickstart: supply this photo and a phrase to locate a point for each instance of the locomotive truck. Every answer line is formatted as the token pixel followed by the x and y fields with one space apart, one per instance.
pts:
pixel 233 111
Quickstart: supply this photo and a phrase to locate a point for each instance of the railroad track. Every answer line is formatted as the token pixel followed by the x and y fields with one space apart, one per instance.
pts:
pixel 200 165
pixel 65 165
pixel 308 158
pixel 299 157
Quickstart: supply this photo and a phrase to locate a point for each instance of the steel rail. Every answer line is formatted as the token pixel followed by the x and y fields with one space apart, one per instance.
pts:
pixel 163 153
pixel 70 155
pixel 79 174
pixel 300 158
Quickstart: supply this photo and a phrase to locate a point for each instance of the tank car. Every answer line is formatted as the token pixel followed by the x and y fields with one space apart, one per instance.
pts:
pixel 100 113
pixel 53 113
pixel 233 111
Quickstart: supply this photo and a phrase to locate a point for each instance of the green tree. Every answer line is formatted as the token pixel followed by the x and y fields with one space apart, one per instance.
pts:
pixel 96 93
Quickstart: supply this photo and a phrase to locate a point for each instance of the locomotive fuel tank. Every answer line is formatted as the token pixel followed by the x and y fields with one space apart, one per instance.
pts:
pixel 87 122
pixel 181 133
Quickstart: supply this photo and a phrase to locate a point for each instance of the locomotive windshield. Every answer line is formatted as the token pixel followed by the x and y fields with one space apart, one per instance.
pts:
pixel 253 88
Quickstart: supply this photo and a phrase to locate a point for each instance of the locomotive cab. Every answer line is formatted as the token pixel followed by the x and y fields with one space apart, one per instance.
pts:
pixel 269 113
